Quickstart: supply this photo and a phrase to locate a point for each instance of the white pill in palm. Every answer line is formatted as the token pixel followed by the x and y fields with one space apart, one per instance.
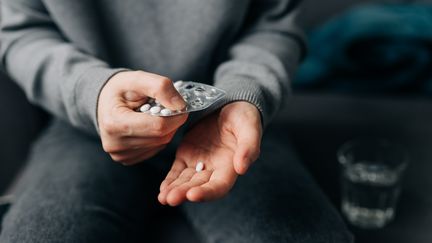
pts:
pixel 166 112
pixel 145 108
pixel 200 166
pixel 155 109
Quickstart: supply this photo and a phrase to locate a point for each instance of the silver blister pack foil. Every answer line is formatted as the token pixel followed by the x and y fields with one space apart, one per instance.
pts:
pixel 197 96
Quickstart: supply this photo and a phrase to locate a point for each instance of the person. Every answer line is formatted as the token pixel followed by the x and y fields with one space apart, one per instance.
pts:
pixel 91 64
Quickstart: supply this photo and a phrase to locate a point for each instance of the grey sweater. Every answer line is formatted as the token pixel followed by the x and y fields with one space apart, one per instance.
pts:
pixel 61 52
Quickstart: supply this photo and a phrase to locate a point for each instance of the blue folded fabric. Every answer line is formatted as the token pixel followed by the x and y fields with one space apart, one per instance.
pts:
pixel 379 48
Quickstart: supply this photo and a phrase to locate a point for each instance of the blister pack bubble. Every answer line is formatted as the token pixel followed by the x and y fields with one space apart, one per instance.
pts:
pixel 197 96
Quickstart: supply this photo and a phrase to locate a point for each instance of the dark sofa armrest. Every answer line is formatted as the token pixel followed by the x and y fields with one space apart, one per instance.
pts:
pixel 20 123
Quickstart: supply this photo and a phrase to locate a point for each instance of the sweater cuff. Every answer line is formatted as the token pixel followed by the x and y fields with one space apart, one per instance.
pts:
pixel 243 88
pixel 86 95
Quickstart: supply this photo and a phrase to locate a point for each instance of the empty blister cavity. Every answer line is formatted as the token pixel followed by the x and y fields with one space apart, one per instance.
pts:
pixel 199 91
pixel 189 86
pixel 197 103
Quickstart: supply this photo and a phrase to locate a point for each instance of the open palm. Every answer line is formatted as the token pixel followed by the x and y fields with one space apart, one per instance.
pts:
pixel 214 141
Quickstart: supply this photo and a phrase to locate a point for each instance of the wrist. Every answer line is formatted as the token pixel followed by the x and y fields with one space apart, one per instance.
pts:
pixel 104 91
pixel 246 89
pixel 87 91
pixel 240 112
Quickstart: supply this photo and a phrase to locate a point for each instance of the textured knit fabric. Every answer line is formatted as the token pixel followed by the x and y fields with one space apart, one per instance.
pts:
pixel 62 52
pixel 71 191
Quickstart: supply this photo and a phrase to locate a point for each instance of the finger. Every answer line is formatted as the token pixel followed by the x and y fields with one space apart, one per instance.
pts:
pixel 125 145
pixel 151 126
pixel 184 177
pixel 144 156
pixel 131 123
pixel 177 195
pixel 218 185
pixel 248 147
pixel 158 87
pixel 174 173
pixel 134 99
pixel 126 155
pixel 132 142
pixel 131 154
pixel 212 190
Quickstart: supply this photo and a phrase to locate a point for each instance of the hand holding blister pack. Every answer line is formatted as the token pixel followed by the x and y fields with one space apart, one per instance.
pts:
pixel 197 96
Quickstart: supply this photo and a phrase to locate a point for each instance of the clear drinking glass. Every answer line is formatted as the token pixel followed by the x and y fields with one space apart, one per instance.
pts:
pixel 370 178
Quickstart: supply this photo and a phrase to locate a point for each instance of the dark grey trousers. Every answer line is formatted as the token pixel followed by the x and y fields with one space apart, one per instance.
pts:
pixel 71 191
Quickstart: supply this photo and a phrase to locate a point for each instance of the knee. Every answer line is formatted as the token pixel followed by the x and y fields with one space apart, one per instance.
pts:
pixel 343 236
pixel 292 235
pixel 43 221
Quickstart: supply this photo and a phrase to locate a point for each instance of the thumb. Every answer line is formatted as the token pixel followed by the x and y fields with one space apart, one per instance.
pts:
pixel 248 148
pixel 152 85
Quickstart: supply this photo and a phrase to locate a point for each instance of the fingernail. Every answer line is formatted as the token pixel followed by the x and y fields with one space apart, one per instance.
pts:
pixel 178 102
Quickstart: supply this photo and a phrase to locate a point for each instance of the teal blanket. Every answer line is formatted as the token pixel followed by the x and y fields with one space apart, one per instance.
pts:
pixel 381 49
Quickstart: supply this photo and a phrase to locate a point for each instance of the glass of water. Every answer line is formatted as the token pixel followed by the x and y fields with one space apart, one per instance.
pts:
pixel 370 178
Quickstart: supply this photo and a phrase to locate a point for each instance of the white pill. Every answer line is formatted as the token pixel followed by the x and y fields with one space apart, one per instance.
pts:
pixel 200 166
pixel 166 112
pixel 145 108
pixel 178 84
pixel 155 109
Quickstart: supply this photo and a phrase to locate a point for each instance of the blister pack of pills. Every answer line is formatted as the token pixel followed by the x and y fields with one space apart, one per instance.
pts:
pixel 198 97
